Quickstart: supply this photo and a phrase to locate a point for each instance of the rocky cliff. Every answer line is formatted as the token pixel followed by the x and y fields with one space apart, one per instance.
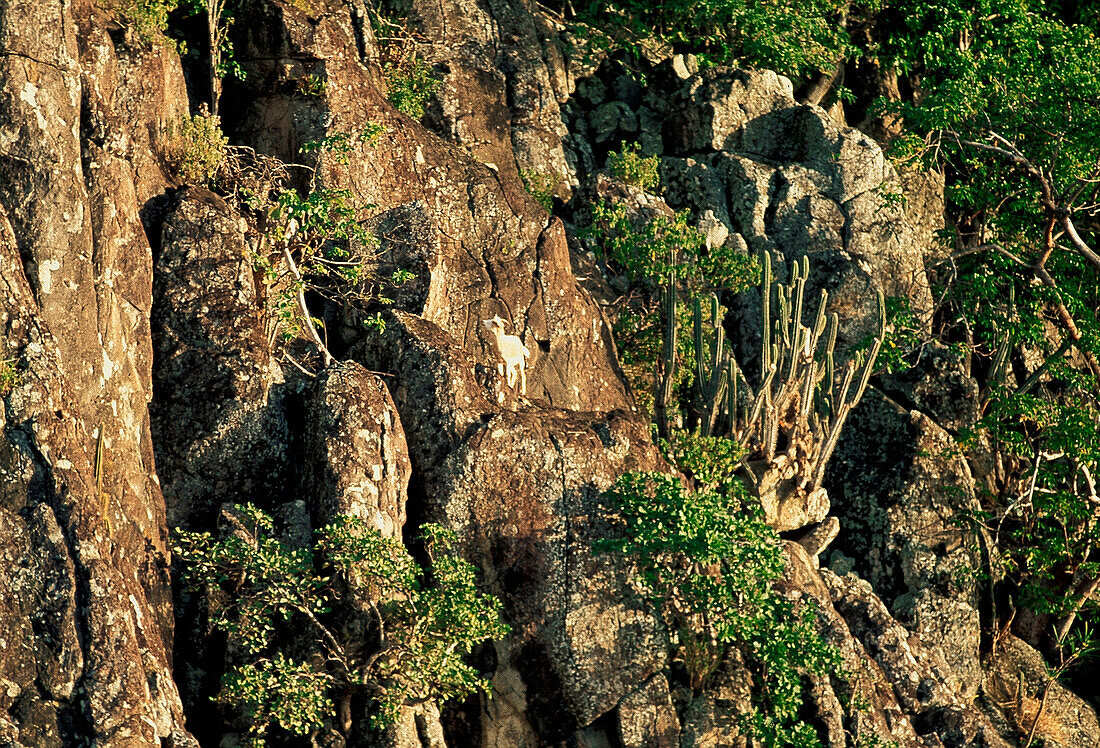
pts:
pixel 148 393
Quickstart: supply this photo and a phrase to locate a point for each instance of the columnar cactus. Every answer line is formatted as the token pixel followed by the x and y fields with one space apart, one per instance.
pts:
pixel 668 351
pixel 712 371
pixel 790 425
pixel 798 399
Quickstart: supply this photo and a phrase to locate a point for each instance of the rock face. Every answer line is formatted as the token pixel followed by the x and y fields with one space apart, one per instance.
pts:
pixel 90 611
pixel 479 247
pixel 898 485
pixel 1018 682
pixel 143 390
pixel 218 426
pixel 355 462
pixel 736 148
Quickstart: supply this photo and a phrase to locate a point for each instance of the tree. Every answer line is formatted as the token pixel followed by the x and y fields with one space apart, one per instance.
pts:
pixel 278 605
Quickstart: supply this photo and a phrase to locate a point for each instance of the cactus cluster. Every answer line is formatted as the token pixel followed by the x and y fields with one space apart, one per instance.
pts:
pixel 789 426
pixel 799 394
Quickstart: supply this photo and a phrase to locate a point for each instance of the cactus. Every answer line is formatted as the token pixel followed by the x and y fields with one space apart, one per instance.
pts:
pixel 712 375
pixel 765 313
pixel 668 352
pixel 798 396
pixel 844 404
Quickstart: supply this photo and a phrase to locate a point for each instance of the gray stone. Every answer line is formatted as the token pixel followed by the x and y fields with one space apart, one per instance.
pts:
pixel 647 718
pixel 218 425
pixel 898 486
pixel 356 460
pixel 1014 684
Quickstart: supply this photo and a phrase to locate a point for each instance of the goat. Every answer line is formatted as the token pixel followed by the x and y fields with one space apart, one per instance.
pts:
pixel 513 354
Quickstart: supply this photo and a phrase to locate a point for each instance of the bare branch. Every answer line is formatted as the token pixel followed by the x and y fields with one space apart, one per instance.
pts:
pixel 1079 244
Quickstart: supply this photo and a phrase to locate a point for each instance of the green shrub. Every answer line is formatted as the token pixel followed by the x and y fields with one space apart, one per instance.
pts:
pixel 312 86
pixel 10 377
pixel 651 250
pixel 148 19
pixel 421 624
pixel 540 186
pixel 195 147
pixel 794 37
pixel 311 239
pixel 630 168
pixel 638 336
pixel 708 565
pixel 410 83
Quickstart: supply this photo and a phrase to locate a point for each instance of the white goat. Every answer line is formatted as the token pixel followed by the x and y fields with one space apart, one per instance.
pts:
pixel 513 354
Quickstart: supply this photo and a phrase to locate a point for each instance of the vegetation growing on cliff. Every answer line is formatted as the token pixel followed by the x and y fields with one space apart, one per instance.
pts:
pixel 147 18
pixel 196 147
pixel 351 616
pixel 708 563
pixel 1003 97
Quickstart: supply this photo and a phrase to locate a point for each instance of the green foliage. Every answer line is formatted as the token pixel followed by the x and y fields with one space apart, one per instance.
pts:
pixel 1009 108
pixel 540 186
pixel 410 83
pixel 223 61
pixel 312 239
pixel 1047 536
pixel 638 334
pixel 652 250
pixel 10 376
pixel 710 461
pixel 196 147
pixel 429 620
pixel 148 19
pixel 794 37
pixel 630 168
pixel 279 691
pixel 312 86
pixel 408 78
pixel 708 569
pixel 341 144
pixel 903 336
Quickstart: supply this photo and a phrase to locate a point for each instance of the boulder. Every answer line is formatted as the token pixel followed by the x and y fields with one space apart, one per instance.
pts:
pixel 899 485
pixel 354 458
pixel 218 425
pixel 1018 684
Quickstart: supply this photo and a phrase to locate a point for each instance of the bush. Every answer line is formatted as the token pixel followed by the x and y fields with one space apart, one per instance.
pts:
pixel 420 624
pixel 630 168
pixel 650 250
pixel 147 18
pixel 638 335
pixel 539 186
pixel 196 147
pixel 410 84
pixel 794 37
pixel 708 563
pixel 10 377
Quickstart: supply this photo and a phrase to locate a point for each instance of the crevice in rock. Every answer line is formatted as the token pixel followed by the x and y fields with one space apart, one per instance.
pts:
pixel 775 186
pixel 417 512
pixel 33 59
pixel 358 28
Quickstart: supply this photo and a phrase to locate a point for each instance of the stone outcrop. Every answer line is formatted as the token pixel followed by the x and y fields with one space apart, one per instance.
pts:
pixel 480 245
pixel 899 485
pixel 1019 689
pixel 355 461
pixel 92 610
pixel 776 175
pixel 219 429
